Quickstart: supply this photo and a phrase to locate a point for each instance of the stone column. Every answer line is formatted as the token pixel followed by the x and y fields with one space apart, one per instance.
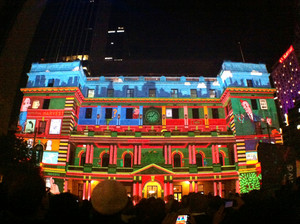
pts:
pixel 191 186
pixel 135 154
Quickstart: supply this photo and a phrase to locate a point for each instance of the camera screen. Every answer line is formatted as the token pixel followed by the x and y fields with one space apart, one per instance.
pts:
pixel 182 219
pixel 228 204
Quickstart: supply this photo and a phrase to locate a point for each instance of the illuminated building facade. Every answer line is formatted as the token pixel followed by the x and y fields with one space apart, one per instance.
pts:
pixel 158 135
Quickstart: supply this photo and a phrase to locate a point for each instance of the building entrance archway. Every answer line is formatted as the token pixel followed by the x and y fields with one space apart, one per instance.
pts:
pixel 152 189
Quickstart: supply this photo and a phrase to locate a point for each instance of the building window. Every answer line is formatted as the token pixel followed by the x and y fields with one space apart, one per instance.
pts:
pixel 177 192
pixel 212 93
pixel 172 113
pixel 108 113
pixel 46 103
pixel 177 160
pixel 129 113
pixel 82 159
pixel 50 82
pixel 152 92
pixel 195 113
pixel 199 160
pixel 221 159
pixel 30 126
pixel 91 93
pixel 130 93
pixel 42 127
pixel 254 104
pixel 249 83
pixel 127 160
pixel 175 113
pixel 110 93
pixel 105 160
pixel 72 156
pixel 169 113
pixel 174 93
pixel 193 93
pixel 88 113
pixel 152 191
pixel 263 104
pixel 80 190
pixel 258 129
pixel 201 188
pixel 55 126
pixel 38 151
pixel 215 113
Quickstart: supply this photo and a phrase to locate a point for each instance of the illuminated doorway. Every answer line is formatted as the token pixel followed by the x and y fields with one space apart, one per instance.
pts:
pixel 177 192
pixel 152 189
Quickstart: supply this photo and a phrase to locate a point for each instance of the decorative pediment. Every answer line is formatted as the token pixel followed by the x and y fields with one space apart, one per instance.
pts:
pixel 153 169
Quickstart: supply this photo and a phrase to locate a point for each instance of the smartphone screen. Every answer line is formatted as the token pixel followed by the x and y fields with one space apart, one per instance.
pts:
pixel 182 219
pixel 228 204
pixel 48 182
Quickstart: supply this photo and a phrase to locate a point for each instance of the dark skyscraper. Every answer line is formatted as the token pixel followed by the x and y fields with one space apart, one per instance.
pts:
pixel 72 30
pixel 15 42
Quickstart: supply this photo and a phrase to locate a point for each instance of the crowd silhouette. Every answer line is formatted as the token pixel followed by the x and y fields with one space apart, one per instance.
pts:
pixel 24 199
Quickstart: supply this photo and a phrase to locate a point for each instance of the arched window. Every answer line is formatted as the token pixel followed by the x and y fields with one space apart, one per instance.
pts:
pixel 82 159
pixel 127 160
pixel 105 160
pixel 221 159
pixel 38 153
pixel 199 160
pixel 177 160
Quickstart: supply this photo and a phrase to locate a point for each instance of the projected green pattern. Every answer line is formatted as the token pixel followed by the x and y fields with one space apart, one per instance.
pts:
pixel 249 182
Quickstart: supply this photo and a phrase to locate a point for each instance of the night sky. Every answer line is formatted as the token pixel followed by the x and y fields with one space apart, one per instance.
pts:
pixel 206 30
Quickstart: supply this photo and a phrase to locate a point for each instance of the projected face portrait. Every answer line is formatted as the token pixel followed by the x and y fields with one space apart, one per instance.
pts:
pixel 35 104
pixel 246 107
pixel 26 104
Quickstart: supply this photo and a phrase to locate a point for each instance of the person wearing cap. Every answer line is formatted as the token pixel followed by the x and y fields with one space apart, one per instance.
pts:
pixel 109 199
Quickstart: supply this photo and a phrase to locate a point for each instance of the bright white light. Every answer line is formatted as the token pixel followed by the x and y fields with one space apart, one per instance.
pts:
pixel 216 83
pixel 187 83
pixel 201 85
pixel 111 31
pixel 225 75
pixel 286 119
pixel 117 80
pixel 76 68
pixel 256 73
